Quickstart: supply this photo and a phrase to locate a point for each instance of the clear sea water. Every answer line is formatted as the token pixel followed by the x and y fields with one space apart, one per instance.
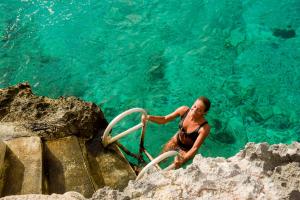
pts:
pixel 158 55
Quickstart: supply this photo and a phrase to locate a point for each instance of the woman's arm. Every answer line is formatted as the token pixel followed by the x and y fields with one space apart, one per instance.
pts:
pixel 165 119
pixel 203 133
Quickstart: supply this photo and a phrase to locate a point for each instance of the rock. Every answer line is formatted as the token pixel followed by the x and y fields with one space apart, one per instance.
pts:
pixel 53 146
pixel 66 167
pixel 30 115
pixel 237 36
pixel 2 164
pixel 260 171
pixel 107 193
pixel 109 164
pixel 24 162
pixel 66 196
pixel 32 166
pixel 284 33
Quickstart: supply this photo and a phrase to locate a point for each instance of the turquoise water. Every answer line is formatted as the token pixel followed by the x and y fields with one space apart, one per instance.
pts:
pixel 244 55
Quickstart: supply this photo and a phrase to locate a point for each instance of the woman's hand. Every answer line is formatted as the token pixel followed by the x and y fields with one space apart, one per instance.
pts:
pixel 144 119
pixel 178 161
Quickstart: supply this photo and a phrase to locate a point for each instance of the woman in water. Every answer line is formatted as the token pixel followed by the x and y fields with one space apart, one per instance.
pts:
pixel 193 129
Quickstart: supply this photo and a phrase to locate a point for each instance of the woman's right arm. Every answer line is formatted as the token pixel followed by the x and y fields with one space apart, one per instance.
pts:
pixel 165 119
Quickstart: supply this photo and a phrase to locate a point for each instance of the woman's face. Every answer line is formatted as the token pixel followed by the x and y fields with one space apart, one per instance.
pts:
pixel 198 108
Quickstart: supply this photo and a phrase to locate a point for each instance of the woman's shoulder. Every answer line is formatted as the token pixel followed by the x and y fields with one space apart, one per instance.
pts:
pixel 206 127
pixel 182 109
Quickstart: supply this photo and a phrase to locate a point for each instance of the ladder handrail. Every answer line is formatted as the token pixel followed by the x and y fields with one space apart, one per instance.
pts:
pixel 156 161
pixel 106 140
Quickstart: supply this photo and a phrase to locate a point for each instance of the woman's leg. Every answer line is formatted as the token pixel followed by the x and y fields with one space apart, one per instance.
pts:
pixel 181 153
pixel 178 162
pixel 171 144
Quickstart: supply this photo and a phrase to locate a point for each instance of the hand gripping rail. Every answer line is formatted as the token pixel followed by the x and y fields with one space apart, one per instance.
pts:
pixel 107 139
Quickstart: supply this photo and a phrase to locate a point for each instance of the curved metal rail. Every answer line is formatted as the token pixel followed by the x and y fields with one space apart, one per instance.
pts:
pixel 107 139
pixel 156 161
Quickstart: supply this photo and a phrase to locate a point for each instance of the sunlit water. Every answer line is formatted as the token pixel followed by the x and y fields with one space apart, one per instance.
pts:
pixel 159 55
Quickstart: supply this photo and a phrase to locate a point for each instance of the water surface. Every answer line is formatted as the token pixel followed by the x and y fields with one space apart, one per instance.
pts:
pixel 159 55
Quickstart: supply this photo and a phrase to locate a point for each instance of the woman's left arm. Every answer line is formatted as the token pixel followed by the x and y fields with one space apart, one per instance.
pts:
pixel 203 133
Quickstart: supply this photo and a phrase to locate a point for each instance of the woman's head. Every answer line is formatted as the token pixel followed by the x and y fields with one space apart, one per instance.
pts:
pixel 201 106
pixel 206 102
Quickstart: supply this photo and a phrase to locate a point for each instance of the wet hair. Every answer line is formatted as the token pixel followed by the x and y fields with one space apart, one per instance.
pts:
pixel 206 102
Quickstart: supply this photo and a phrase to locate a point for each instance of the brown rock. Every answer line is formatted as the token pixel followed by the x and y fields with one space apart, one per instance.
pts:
pixel 2 168
pixel 23 173
pixel 53 146
pixel 66 169
pixel 48 118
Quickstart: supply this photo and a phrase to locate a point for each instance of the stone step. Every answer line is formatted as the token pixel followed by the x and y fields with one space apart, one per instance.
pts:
pixel 66 168
pixel 2 168
pixel 108 166
pixel 24 164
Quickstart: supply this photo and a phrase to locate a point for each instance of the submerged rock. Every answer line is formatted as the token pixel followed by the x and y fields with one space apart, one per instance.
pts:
pixel 284 33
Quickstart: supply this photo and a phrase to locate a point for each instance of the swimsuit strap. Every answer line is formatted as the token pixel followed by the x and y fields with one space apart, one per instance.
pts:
pixel 183 117
pixel 193 135
pixel 201 125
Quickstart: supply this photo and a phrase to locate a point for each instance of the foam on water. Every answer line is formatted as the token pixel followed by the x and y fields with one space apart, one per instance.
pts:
pixel 160 55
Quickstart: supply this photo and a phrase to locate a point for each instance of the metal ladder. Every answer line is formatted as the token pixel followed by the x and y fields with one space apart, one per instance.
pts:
pixel 108 139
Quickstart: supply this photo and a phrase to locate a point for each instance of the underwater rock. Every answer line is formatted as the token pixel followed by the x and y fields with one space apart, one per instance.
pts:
pixel 221 133
pixel 278 122
pixel 237 36
pixel 157 65
pixel 224 137
pixel 284 33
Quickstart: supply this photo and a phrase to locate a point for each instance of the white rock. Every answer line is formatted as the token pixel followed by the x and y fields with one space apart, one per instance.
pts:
pixel 259 172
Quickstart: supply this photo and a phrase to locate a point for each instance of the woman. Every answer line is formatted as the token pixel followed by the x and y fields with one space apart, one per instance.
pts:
pixel 193 129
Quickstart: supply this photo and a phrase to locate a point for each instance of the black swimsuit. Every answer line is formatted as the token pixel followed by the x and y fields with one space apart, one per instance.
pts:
pixel 191 136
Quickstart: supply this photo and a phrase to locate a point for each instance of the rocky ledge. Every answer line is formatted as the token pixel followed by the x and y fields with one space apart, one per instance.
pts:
pixel 260 171
pixel 53 146
pixel 24 114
